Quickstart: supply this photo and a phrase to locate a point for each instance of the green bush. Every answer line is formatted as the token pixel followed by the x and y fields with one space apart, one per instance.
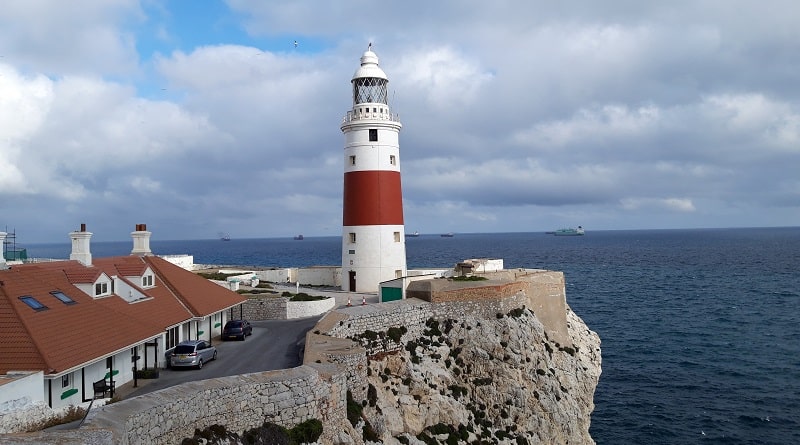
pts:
pixel 470 278
pixel 302 296
pixel 306 432
pixel 354 410
pixel 395 334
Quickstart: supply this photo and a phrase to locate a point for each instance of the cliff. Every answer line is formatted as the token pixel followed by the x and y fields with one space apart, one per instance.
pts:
pixel 478 378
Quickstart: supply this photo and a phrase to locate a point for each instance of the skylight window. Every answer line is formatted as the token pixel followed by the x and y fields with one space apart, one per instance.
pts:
pixel 33 303
pixel 63 297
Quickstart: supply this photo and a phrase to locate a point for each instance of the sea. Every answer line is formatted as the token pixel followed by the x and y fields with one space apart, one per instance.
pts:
pixel 700 328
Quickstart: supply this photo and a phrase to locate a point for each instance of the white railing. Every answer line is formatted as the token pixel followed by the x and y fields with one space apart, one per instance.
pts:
pixel 357 115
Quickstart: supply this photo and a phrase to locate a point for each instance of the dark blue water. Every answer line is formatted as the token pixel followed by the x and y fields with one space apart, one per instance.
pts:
pixel 700 328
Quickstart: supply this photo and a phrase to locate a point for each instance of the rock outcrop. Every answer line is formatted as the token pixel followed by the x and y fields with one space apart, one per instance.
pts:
pixel 479 380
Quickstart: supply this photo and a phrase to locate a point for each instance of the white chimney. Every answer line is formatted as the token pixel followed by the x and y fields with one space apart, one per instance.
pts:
pixel 3 264
pixel 141 241
pixel 80 246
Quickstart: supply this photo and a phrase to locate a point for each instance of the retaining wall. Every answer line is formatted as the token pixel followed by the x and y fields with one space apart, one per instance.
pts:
pixel 274 307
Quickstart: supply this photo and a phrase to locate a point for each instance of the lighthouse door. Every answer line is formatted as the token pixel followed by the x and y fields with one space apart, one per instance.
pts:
pixel 352 281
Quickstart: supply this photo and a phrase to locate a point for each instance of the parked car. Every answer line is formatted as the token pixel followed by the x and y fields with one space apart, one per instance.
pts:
pixel 237 329
pixel 192 353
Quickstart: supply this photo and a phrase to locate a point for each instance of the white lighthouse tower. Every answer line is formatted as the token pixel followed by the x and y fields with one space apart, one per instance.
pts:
pixel 373 234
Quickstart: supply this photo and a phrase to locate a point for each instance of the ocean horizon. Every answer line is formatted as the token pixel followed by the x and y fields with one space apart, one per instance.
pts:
pixel 699 327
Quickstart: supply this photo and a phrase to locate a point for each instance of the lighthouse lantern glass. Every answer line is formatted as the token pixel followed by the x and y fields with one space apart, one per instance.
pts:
pixel 370 90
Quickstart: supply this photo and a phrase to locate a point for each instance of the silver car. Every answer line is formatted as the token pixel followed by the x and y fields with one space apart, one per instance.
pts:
pixel 192 353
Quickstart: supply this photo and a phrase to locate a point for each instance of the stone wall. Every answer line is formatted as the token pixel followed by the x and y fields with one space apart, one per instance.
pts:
pixel 274 307
pixel 286 397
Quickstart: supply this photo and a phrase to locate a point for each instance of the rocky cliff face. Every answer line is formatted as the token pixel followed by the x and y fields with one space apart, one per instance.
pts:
pixel 478 380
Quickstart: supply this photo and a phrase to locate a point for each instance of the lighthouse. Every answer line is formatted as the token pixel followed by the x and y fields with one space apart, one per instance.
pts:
pixel 373 234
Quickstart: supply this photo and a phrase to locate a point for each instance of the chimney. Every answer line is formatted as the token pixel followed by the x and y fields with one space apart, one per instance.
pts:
pixel 80 246
pixel 3 264
pixel 141 241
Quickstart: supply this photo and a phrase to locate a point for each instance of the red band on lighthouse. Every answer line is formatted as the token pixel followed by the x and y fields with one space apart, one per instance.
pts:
pixel 372 198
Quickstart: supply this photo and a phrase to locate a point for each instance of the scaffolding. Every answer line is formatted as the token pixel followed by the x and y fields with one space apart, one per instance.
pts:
pixel 10 250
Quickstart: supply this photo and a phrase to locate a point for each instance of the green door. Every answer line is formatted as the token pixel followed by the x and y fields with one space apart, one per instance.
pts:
pixel 391 294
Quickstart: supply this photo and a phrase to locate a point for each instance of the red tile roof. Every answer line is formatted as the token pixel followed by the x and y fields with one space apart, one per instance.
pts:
pixel 65 336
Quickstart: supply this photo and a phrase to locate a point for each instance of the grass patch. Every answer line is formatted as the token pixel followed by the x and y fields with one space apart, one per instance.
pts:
pixel 470 278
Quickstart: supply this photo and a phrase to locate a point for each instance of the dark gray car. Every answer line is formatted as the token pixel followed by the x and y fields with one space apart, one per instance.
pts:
pixel 192 353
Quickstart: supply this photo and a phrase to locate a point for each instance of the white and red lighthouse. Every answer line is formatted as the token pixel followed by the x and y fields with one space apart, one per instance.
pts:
pixel 373 234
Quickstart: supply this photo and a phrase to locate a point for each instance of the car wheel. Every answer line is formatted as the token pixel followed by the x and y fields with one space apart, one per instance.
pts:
pixel 200 364
pixel 243 336
pixel 215 356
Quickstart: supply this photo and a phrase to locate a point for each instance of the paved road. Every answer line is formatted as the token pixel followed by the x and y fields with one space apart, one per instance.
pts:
pixel 275 344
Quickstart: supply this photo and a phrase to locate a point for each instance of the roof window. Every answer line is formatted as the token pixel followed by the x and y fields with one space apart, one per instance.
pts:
pixel 33 303
pixel 62 297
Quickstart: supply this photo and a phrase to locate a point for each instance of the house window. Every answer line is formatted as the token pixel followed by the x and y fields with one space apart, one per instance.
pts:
pixel 397 237
pixel 373 134
pixel 352 237
pixel 100 289
pixel 392 160
pixel 147 281
pixel 65 381
pixel 62 297
pixel 351 252
pixel 172 338
pixel 33 303
pixel 398 273
pixel 353 160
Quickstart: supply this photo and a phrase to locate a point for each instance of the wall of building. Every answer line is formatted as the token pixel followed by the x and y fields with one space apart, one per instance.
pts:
pixel 184 261
pixel 320 276
pixel 21 400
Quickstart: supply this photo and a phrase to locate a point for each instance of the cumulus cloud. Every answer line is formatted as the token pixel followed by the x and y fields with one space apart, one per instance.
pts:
pixel 516 116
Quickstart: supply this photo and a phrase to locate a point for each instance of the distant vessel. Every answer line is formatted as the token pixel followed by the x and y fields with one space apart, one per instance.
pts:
pixel 569 232
pixel 224 236
pixel 299 237
pixel 412 235
pixel 447 235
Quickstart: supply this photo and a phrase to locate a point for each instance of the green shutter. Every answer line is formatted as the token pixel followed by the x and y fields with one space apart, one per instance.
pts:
pixel 68 393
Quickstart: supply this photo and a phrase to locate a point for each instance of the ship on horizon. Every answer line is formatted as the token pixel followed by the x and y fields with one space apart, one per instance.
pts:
pixel 568 232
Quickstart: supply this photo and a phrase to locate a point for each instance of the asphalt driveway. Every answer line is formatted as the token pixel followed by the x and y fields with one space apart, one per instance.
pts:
pixel 275 344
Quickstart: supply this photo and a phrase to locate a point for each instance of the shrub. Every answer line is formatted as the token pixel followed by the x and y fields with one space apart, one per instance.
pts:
pixel 372 395
pixel 470 278
pixel 568 350
pixel 354 410
pixel 72 414
pixel 515 313
pixel 306 432
pixel 395 334
pixel 302 296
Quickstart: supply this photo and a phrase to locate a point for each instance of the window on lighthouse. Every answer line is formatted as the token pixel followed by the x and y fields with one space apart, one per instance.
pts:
pixel 352 160
pixel 373 134
pixel 397 237
pixel 392 160
pixel 352 237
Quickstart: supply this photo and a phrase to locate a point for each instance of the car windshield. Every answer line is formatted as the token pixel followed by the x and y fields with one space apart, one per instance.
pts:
pixel 234 324
pixel 184 349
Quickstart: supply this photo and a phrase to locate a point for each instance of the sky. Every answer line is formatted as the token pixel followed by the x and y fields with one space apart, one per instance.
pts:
pixel 203 117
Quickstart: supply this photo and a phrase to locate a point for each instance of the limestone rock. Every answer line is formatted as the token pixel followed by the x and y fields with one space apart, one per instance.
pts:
pixel 479 378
